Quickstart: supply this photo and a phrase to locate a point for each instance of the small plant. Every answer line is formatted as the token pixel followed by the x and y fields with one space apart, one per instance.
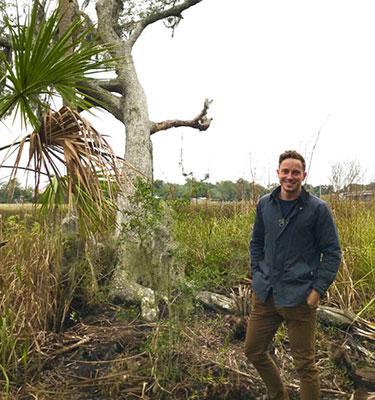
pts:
pixel 145 212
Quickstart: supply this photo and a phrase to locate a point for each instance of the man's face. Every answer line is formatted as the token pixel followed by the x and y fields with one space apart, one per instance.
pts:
pixel 291 176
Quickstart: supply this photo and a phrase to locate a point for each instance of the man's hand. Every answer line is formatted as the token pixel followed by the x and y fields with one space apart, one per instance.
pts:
pixel 313 298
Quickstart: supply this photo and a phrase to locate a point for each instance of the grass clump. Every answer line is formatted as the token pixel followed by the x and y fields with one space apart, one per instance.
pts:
pixel 47 277
pixel 29 276
pixel 213 243
pixel 355 283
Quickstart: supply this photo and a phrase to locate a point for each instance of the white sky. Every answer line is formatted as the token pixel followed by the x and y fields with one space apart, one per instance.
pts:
pixel 277 71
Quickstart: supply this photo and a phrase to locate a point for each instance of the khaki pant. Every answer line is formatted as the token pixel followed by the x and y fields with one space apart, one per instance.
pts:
pixel 300 321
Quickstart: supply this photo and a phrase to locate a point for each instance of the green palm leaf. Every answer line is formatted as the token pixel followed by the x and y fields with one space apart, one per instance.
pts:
pixel 81 166
pixel 46 64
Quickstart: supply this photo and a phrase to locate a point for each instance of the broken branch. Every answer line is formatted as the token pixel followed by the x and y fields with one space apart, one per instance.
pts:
pixel 200 122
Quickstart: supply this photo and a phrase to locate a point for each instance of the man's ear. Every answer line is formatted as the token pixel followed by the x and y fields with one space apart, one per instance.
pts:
pixel 304 175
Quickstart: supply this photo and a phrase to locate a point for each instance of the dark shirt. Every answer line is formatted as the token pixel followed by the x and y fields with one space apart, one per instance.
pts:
pixel 287 206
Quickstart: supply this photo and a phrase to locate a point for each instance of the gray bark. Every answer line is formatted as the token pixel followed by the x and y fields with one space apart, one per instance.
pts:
pixel 144 267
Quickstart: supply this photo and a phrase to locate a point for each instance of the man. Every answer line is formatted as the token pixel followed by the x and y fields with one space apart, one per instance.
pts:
pixel 295 255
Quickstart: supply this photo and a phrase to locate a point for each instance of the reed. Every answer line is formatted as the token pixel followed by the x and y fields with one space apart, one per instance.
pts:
pixel 214 248
pixel 355 283
pixel 29 293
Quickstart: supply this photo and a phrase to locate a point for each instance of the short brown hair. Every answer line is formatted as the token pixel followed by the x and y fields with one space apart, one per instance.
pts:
pixel 292 154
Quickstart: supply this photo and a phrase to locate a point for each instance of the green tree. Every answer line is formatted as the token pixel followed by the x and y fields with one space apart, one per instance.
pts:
pixel 227 190
pixel 14 192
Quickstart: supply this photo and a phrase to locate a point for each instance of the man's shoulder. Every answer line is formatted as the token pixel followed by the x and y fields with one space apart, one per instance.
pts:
pixel 316 201
pixel 318 206
pixel 264 199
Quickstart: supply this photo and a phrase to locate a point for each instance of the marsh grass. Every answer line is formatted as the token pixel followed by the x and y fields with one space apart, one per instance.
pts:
pixel 213 238
pixel 214 243
pixel 21 210
pixel 355 285
pixel 42 273
pixel 29 276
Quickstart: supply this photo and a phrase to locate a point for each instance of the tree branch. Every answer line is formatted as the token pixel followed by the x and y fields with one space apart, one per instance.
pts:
pixel 103 98
pixel 5 42
pixel 108 11
pixel 175 11
pixel 112 85
pixel 200 122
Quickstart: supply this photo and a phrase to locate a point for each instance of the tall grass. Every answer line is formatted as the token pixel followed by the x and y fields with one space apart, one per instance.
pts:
pixel 213 242
pixel 42 271
pixel 355 284
pixel 29 276
pixel 214 247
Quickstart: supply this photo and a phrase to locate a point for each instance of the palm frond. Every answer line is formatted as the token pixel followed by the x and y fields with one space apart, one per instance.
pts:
pixel 82 169
pixel 48 64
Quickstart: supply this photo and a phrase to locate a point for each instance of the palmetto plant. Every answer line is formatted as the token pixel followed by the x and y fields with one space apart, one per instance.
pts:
pixel 47 65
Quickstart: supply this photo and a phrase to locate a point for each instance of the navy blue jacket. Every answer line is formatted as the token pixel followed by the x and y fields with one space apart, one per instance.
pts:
pixel 295 254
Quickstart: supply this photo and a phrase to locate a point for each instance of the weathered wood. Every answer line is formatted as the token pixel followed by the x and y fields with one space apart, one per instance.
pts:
pixel 336 317
pixel 217 302
pixel 365 377
pixel 345 319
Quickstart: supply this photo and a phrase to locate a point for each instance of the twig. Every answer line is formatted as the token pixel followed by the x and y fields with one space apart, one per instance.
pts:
pixel 332 391
pixel 73 346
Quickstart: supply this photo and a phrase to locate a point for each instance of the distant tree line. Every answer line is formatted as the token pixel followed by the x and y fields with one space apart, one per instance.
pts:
pixel 238 190
pixel 14 192
pixel 219 191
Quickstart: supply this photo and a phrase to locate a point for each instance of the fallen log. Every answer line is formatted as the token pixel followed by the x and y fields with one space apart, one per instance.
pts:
pixel 217 302
pixel 346 320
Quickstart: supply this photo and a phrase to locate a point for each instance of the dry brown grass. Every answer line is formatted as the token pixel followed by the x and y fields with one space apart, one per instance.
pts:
pixel 29 293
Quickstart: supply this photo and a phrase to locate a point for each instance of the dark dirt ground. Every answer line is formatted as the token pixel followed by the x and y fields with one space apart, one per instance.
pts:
pixel 107 355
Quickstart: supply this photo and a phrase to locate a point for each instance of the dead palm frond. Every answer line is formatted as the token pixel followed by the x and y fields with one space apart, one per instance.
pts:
pixel 78 161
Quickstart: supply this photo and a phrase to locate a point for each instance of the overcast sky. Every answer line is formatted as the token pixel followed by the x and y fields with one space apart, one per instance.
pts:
pixel 277 72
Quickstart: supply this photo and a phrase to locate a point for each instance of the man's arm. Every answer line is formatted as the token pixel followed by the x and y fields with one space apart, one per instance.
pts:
pixel 329 246
pixel 257 240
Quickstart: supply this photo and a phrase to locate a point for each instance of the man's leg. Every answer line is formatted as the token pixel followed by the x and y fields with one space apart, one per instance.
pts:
pixel 301 325
pixel 262 326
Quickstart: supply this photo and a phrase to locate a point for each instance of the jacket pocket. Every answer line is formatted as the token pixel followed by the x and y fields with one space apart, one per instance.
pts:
pixel 299 271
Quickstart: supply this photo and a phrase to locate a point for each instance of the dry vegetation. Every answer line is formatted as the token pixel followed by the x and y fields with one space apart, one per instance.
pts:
pixel 49 348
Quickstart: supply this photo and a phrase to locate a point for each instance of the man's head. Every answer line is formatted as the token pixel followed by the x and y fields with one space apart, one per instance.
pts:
pixel 291 173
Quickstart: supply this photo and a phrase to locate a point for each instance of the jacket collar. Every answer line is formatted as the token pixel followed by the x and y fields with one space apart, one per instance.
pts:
pixel 303 197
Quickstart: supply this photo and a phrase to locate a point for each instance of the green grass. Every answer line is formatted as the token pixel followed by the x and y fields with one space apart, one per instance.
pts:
pixel 7 210
pixel 355 284
pixel 213 243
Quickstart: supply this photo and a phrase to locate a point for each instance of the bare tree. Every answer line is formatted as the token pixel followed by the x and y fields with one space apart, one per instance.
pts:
pixel 345 174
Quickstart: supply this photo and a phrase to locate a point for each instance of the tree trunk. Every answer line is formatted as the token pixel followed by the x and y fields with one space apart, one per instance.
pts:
pixel 146 269
pixel 146 250
pixel 138 150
